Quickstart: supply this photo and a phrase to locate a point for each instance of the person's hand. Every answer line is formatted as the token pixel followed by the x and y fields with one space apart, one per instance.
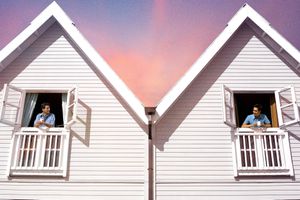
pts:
pixel 265 125
pixel 39 123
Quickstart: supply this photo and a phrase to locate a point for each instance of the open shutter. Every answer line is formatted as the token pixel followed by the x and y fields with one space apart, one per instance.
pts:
pixel 12 104
pixel 72 101
pixel 228 107
pixel 287 109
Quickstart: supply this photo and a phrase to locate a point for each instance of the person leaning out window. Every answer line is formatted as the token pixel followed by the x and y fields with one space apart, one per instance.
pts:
pixel 257 119
pixel 45 119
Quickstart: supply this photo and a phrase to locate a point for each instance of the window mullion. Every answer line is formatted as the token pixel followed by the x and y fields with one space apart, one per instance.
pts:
pixel 22 150
pixel 279 164
pixel 287 155
pixel 16 149
pixel 259 151
pixel 43 149
pixel 66 140
pixel 33 151
pixel 271 150
pixel 266 152
pixel 49 149
pixel 245 150
pixel 250 149
pixel 238 150
pixel 282 151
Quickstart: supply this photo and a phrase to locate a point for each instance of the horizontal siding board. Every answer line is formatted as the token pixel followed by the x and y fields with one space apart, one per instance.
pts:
pixel 194 145
pixel 111 149
pixel 229 190
pixel 46 190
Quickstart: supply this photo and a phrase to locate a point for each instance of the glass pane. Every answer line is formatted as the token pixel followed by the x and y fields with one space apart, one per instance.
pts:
pixel 10 113
pixel 228 97
pixel 285 97
pixel 288 114
pixel 13 97
pixel 229 114
pixel 71 105
pixel 11 108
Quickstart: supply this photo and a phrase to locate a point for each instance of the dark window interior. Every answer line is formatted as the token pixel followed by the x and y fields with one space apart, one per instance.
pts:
pixel 55 101
pixel 244 104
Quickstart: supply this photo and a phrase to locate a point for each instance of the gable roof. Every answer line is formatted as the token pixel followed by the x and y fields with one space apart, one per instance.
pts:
pixel 53 13
pixel 258 24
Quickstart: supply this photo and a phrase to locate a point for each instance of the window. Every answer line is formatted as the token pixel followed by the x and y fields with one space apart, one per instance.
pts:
pixel 244 104
pixel 32 107
pixel 261 151
pixel 36 151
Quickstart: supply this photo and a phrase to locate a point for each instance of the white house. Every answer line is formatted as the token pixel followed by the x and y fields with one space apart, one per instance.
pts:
pixel 103 154
pixel 106 145
pixel 200 151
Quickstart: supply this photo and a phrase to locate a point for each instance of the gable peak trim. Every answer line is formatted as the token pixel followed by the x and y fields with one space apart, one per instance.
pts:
pixel 55 12
pixel 244 13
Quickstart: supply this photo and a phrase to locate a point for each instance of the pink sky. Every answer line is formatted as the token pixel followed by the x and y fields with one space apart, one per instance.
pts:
pixel 151 44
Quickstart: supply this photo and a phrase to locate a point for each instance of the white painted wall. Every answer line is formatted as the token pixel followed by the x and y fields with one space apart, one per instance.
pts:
pixel 193 145
pixel 107 156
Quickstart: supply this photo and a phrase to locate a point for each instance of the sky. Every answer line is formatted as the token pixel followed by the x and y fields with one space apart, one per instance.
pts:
pixel 150 44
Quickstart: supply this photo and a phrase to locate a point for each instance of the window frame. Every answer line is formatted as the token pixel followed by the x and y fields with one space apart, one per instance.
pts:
pixel 70 104
pixel 288 160
pixel 273 111
pixel 20 107
pixel 230 105
pixel 17 126
pixel 47 90
pixel 294 104
pixel 38 91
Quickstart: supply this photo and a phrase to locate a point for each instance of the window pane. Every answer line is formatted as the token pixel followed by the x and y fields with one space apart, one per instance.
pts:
pixel 285 97
pixel 288 114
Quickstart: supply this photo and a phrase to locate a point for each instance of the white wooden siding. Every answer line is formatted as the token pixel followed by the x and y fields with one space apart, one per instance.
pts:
pixel 229 190
pixel 107 156
pixel 193 145
pixel 71 190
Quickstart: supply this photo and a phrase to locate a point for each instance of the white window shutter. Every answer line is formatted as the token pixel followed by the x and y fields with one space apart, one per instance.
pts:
pixel 228 107
pixel 287 108
pixel 72 101
pixel 12 105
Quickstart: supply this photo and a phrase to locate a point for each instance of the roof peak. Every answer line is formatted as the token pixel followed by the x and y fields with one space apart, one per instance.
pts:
pixel 239 18
pixel 55 12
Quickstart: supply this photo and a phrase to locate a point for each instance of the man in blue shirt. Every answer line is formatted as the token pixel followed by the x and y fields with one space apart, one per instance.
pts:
pixel 45 119
pixel 257 119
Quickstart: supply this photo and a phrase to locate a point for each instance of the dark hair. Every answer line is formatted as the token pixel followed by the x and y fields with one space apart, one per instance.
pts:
pixel 43 105
pixel 258 106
